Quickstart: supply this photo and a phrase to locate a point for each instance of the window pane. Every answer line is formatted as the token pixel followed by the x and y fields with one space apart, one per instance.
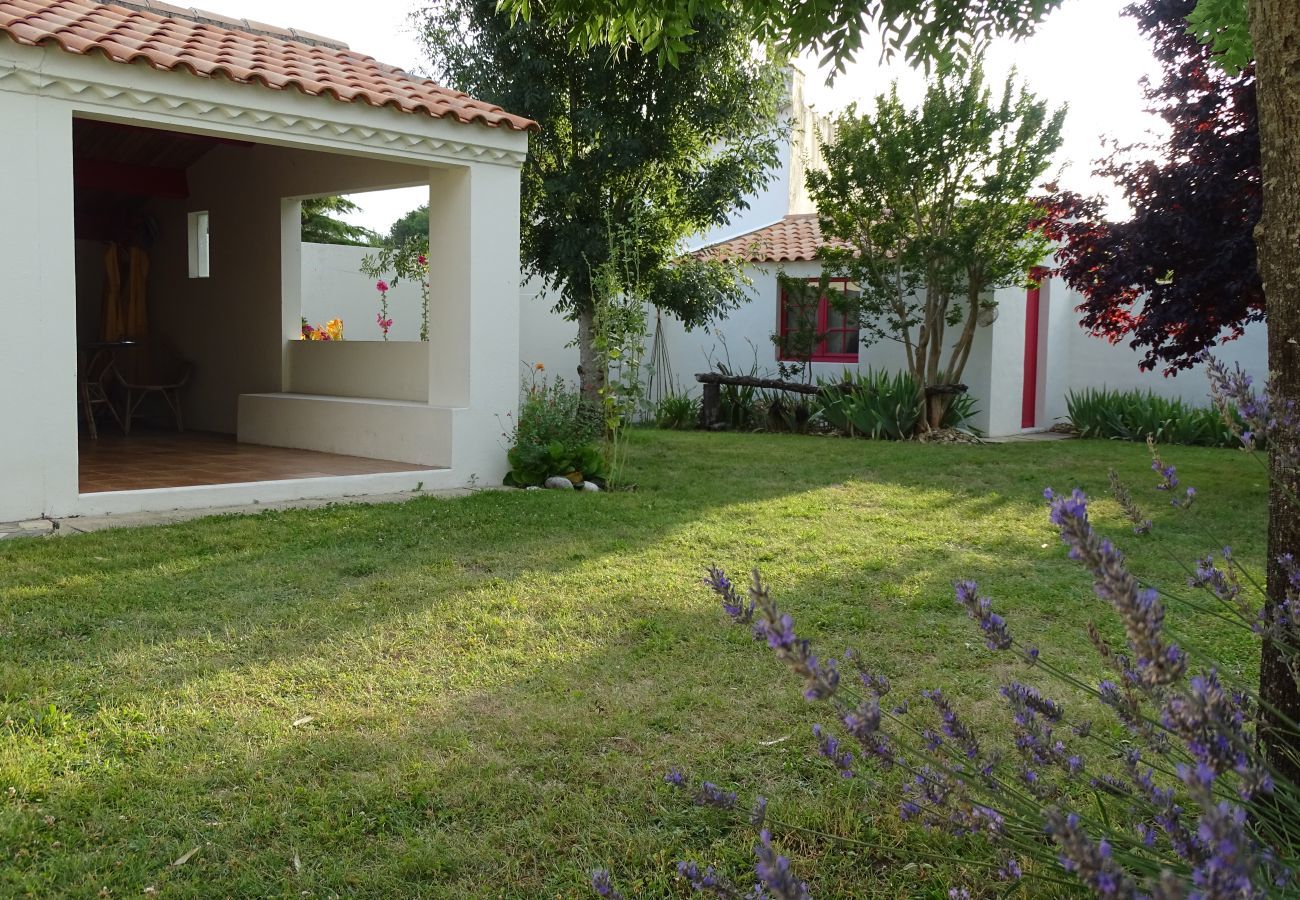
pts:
pixel 835 342
pixel 851 342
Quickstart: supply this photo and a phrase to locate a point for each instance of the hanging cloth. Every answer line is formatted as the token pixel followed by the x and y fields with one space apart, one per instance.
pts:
pixel 112 318
pixel 136 318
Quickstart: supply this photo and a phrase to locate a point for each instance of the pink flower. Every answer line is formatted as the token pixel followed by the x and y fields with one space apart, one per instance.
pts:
pixel 423 260
pixel 384 324
pixel 381 286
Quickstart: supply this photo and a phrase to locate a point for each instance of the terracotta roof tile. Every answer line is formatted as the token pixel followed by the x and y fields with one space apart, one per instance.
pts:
pixel 210 46
pixel 795 238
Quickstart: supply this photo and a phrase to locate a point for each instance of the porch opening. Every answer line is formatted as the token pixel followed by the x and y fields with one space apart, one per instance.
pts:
pixel 189 301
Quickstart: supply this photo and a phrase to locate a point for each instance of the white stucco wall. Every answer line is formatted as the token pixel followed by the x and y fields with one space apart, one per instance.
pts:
pixel 1097 362
pixel 333 286
pixel 38 394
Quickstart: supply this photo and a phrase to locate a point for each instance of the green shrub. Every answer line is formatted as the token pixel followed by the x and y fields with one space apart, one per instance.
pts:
pixel 738 405
pixel 557 433
pixel 784 411
pixel 677 411
pixel 1135 415
pixel 881 406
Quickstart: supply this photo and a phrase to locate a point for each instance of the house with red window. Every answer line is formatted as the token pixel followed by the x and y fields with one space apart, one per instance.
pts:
pixel 1027 356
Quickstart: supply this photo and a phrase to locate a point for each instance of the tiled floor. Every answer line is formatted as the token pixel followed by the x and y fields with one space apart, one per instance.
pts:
pixel 166 459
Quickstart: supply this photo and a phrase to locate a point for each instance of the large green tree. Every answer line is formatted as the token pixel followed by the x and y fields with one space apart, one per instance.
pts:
pixel 932 208
pixel 625 143
pixel 323 223
pixel 924 30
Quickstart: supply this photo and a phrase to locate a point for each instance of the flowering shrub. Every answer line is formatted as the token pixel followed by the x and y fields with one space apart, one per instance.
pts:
pixel 557 433
pixel 1184 805
pixel 330 331
pixel 390 265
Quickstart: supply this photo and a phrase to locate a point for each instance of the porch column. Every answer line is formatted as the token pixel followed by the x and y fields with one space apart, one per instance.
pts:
pixel 38 310
pixel 474 308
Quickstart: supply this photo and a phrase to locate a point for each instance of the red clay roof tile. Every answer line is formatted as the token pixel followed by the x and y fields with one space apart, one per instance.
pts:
pixel 795 238
pixel 174 39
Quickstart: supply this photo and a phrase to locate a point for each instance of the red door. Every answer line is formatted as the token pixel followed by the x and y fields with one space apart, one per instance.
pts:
pixel 1029 400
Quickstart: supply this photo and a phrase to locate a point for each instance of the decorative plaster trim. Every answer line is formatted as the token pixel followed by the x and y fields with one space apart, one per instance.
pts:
pixel 207 113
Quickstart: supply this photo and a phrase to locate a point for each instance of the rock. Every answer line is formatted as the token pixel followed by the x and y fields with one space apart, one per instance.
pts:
pixel 558 483
pixel 590 486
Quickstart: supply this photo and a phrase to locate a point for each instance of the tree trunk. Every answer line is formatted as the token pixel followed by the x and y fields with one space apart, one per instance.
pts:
pixel 591 369
pixel 1275 29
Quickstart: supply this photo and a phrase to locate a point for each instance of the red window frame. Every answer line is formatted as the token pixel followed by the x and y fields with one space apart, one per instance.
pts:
pixel 820 352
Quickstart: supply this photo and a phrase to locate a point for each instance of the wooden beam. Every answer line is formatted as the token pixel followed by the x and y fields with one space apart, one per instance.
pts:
pixel 126 178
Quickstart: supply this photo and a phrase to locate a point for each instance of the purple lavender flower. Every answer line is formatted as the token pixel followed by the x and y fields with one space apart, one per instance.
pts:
pixel 709 794
pixel 821 679
pixel 1141 524
pixel 1139 608
pixel 758 815
pixel 829 746
pixel 732 603
pixel 1168 477
pixel 1256 419
pixel 1166 811
pixel 602 885
pixel 956 730
pixel 958 893
pixel 1212 724
pixel 1010 870
pixel 706 882
pixel 774 873
pixel 675 777
pixel 1223 584
pixel 1229 855
pixel 1090 862
pixel 863 724
pixel 996 634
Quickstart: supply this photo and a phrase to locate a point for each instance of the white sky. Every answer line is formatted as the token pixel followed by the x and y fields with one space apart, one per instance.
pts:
pixel 1085 55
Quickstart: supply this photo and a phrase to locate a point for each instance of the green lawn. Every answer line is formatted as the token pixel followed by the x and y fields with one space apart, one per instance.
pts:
pixel 479 697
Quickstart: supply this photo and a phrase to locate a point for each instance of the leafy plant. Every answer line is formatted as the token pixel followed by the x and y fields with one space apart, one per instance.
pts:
pixel 1196 199
pixel 622 136
pixel 557 433
pixel 1136 415
pixel 875 404
pixel 677 411
pixel 929 211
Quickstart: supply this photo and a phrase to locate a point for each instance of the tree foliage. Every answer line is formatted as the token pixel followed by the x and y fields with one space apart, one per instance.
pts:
pixel 322 223
pixel 933 205
pixel 922 30
pixel 1181 274
pixel 411 229
pixel 623 140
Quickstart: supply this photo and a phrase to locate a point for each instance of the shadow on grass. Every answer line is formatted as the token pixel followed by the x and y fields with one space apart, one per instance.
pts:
pixel 496 692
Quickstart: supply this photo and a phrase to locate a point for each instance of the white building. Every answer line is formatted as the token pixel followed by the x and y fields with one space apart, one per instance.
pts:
pixel 1021 367
pixel 186 140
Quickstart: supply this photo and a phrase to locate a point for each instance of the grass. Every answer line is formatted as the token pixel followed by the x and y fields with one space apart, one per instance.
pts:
pixel 479 697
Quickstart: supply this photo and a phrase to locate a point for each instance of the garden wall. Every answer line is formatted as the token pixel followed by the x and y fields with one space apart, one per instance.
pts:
pixel 333 287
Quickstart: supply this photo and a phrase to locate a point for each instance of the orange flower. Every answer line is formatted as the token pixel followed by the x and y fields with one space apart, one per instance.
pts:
pixel 539 367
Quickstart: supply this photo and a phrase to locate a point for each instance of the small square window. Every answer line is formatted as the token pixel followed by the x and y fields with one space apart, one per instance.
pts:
pixel 200 259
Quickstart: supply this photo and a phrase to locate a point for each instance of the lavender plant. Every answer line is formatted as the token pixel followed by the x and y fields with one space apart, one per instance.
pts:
pixel 1173 800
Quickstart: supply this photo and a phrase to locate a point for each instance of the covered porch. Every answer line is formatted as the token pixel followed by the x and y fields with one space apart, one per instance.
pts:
pixel 185 192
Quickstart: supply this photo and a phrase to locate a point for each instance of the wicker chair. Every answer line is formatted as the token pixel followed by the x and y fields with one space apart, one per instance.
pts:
pixel 158 372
